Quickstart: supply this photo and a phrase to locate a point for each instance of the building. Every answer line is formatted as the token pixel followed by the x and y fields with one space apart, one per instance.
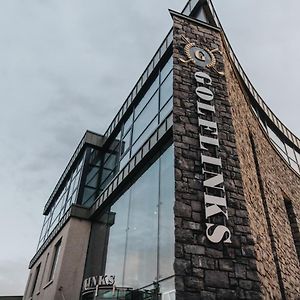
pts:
pixel 11 297
pixel 192 193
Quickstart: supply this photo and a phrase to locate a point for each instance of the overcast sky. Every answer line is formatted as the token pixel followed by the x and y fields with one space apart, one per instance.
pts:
pixel 67 66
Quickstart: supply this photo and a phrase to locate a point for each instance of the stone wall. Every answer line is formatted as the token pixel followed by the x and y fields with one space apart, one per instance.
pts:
pixel 267 184
pixel 205 270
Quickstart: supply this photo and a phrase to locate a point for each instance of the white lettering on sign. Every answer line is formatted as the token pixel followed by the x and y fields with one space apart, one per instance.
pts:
pixel 214 194
pixel 95 282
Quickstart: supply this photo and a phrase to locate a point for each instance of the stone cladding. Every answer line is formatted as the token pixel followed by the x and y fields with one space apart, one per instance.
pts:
pixel 268 182
pixel 205 270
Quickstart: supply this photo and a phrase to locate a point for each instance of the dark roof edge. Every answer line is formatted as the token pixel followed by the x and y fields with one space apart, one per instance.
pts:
pixel 89 138
pixel 174 13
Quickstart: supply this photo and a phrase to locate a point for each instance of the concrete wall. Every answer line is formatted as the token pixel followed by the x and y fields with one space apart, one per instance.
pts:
pixel 68 276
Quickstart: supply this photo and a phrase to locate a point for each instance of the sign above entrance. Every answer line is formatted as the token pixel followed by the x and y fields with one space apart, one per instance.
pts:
pixel 96 282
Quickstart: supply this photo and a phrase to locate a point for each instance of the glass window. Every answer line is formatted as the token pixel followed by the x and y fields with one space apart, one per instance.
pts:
pixel 117 238
pixel 110 163
pixel 166 90
pixel 298 157
pixel 94 172
pixel 166 110
pixel 281 152
pixel 73 185
pixel 141 236
pixel 56 210
pixel 166 69
pixel 290 152
pixel 107 181
pixel 193 3
pixel 73 198
pixel 105 174
pixel 201 15
pixel 126 142
pixel 54 259
pixel 128 124
pixel 156 58
pixel 113 147
pixel 52 226
pixel 43 232
pixel 276 139
pixel 146 116
pixel 167 289
pixel 187 10
pixel 170 38
pixel 166 214
pixel 141 254
pixel 124 160
pixel 294 166
pixel 88 196
pixel 93 182
pixel 145 135
pixel 147 97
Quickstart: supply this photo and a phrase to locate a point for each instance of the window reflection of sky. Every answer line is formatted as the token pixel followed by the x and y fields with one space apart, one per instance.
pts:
pixel 134 243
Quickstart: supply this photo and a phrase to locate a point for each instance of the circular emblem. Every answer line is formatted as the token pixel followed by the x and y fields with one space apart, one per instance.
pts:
pixel 199 56
pixel 202 57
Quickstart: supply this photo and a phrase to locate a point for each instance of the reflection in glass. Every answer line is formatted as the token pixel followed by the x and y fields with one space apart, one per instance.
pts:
pixel 124 160
pixel 92 174
pixel 290 152
pixel 149 112
pixel 298 157
pixel 281 152
pixel 166 219
pixel 87 197
pixel 117 238
pixel 167 289
pixel 141 238
pixel 275 138
pixel 141 255
pixel 128 123
pixel 166 110
pixel 294 166
pixel 145 135
pixel 166 69
pixel 110 162
pixel 154 99
pixel 166 90
pixel 64 199
pixel 147 97
pixel 126 142
pixel 201 15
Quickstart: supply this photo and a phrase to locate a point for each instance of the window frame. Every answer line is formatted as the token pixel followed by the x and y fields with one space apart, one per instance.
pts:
pixel 54 261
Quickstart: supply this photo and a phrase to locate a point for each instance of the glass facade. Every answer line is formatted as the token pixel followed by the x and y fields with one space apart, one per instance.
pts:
pixel 141 230
pixel 65 199
pixel 100 169
pixel 151 110
pixel 97 168
pixel 289 153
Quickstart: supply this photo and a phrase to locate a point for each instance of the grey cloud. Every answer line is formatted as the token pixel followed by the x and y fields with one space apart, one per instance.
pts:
pixel 12 280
